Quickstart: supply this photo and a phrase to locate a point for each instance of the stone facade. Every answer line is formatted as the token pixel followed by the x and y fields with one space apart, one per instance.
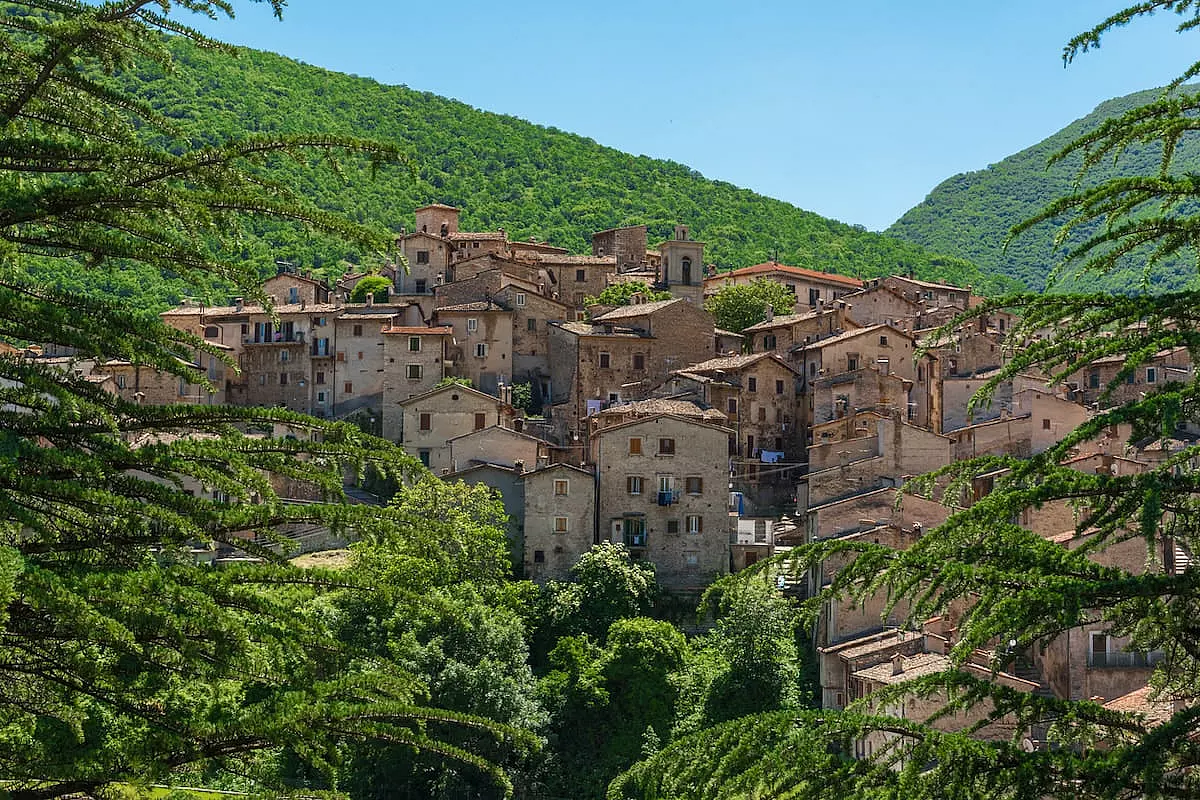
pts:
pixel 664 492
pixel 414 363
pixel 560 520
pixel 626 245
pixel 429 421
pixel 809 286
pixel 498 445
pixel 482 345
pixel 682 270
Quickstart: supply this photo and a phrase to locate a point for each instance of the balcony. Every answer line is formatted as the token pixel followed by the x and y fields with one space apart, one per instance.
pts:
pixel 668 498
pixel 276 339
pixel 1123 660
pixel 321 349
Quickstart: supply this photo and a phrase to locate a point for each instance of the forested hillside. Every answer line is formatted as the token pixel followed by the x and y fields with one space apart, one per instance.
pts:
pixel 504 172
pixel 970 215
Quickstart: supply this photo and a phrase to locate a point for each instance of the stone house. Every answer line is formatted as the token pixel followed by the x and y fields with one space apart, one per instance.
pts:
pixel 481 349
pixel 149 386
pixel 429 421
pixel 358 374
pixel 877 304
pixel 621 355
pixel 532 315
pixel 808 285
pixel 626 245
pixel 560 520
pixel 290 288
pixel 781 332
pixel 1091 384
pixel 664 493
pixel 497 445
pixel 428 258
pixel 574 278
pixel 846 396
pixel 757 392
pixel 414 362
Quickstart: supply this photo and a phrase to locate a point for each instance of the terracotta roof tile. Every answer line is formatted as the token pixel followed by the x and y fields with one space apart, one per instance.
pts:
pixel 799 272
pixel 640 310
pixel 418 330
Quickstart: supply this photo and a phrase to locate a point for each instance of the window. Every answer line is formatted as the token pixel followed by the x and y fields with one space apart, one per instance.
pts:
pixel 360 355
pixel 120 381
pixel 320 397
pixel 750 446
pixel 731 405
pixel 422 256
pixel 319 322
pixel 481 349
pixel 768 341
pixel 480 421
pixel 358 330
pixel 672 526
pixel 320 379
pixel 762 413
pixel 1151 375
pixel 1094 379
pixel 520 299
pixel 560 524
pixel 635 446
pixel 691 559
pixel 694 485
pixel 639 361
pixel 695 523
pixel 348 388
pixel 262 380
pixel 633 484
pixel 635 532
pixel 539 556
pixel 851 363
pixel 421 286
pixel 426 422
pixel 283 356
pixel 883 341
pixel 423 456
pixel 605 360
pixel 686 270
pixel 472 325
pixel 560 487
pixel 531 324
pixel 212 332
pixel 283 379
pixel 414 344
pixel 1045 424
pixel 413 371
pixel 245 329
pixel 920 372
pixel 293 295
pixel 666 447
pixel 580 276
pixel 752 384
pixel 778 387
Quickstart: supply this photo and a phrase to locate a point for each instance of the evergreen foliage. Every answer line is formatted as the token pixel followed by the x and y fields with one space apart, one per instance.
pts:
pixel 502 171
pixel 1008 589
pixel 121 660
pixel 621 294
pixel 375 285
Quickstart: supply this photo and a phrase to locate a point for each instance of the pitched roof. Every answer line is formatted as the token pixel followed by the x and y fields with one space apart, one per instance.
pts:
pixel 654 406
pixel 798 272
pixel 723 332
pixel 555 258
pixel 643 420
pixel 783 320
pixel 452 387
pixel 1156 711
pixel 559 465
pixel 476 306
pixel 498 429
pixel 912 667
pixel 442 206
pixel 844 335
pixel 418 330
pixel 729 363
pixel 467 236
pixel 589 329
pixel 929 284
pixel 639 310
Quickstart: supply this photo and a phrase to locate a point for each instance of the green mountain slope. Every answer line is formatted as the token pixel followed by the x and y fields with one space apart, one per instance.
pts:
pixel 504 172
pixel 970 215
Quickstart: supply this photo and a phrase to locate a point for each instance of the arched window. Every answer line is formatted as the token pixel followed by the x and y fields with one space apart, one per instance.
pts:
pixel 212 332
pixel 687 271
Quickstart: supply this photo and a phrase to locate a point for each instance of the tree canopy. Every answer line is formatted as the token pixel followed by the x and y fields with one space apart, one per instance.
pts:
pixel 737 307
pixel 621 294
pixel 122 660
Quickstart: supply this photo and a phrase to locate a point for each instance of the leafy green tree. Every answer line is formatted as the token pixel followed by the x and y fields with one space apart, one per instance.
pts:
pixel 522 396
pixel 1016 590
pixel 375 285
pixel 738 307
pixel 121 660
pixel 606 586
pixel 621 294
pixel 453 380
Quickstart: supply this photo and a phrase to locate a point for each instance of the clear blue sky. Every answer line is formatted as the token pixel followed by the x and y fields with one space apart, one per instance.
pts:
pixel 854 110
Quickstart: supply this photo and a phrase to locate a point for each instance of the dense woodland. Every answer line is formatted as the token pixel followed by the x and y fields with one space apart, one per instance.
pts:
pixel 502 171
pixel 970 215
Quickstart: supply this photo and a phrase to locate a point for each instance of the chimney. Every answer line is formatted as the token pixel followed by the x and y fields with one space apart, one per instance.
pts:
pixel 533 240
pixel 239 303
pixel 337 300
pixel 370 299
pixel 897 664
pixel 770 312
pixel 519 467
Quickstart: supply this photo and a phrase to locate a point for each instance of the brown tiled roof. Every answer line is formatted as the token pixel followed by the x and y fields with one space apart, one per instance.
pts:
pixel 1155 711
pixel 929 284
pixel 799 272
pixel 553 258
pixel 467 236
pixel 442 206
pixel 841 337
pixel 417 330
pixel 477 306
pixel 917 666
pixel 639 310
pixel 225 311
pixel 723 332
pixel 588 329
pixel 783 320
pixel 728 363
pixel 680 408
